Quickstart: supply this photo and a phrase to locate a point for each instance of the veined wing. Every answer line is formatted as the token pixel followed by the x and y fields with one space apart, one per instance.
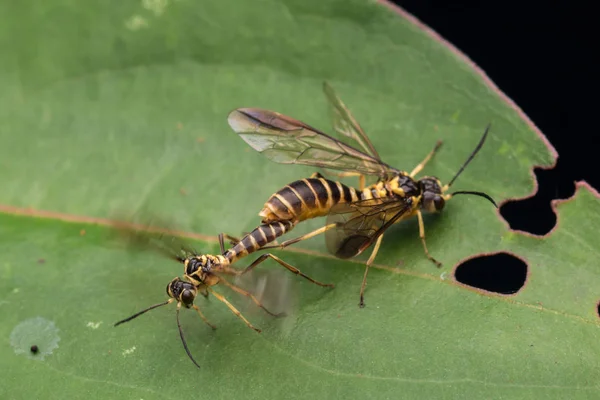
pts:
pixel 345 123
pixel 287 141
pixel 359 224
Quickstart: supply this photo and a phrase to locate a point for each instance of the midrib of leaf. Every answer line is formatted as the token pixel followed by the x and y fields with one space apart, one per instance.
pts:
pixel 62 217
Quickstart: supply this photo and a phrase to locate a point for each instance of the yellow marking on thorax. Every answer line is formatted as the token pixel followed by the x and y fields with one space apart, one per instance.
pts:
pixel 382 191
pixel 416 204
pixel 375 191
pixel 393 187
pixel 196 279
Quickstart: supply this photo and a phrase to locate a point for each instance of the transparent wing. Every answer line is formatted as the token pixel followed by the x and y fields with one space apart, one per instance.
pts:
pixel 287 141
pixel 359 224
pixel 159 239
pixel 345 124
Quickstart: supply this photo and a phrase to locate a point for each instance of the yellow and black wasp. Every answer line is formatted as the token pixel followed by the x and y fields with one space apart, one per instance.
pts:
pixel 357 218
pixel 202 272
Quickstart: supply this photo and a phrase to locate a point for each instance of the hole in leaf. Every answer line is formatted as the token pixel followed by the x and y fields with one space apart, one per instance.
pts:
pixel 535 215
pixel 598 308
pixel 500 273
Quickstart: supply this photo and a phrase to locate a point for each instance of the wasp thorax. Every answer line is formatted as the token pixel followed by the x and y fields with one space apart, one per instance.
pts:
pixel 197 263
pixel 182 291
pixel 407 186
pixel 432 199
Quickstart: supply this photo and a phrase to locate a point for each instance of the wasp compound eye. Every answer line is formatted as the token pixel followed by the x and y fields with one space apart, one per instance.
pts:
pixel 187 297
pixel 439 202
pixel 428 196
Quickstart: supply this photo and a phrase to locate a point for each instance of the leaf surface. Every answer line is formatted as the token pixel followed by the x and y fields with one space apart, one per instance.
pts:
pixel 123 110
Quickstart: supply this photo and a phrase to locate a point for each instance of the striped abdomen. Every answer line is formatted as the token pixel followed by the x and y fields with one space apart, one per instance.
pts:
pixel 307 198
pixel 259 237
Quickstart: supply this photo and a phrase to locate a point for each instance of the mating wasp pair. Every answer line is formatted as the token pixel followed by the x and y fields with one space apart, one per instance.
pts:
pixel 356 218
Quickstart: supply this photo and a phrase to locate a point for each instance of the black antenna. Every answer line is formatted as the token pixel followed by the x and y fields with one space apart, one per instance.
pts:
pixel 471 156
pixel 187 350
pixel 480 194
pixel 143 312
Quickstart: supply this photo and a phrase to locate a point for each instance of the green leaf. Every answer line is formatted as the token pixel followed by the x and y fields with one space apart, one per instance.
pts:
pixel 116 110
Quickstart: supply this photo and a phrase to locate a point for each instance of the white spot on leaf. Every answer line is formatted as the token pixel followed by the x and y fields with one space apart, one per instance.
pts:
pixel 136 22
pixel 94 325
pixel 128 351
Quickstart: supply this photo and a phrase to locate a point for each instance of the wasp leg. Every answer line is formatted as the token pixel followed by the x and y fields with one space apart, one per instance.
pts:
pixel 233 309
pixel 369 262
pixel 301 238
pixel 221 242
pixel 285 265
pixel 195 307
pixel 421 165
pixel 361 177
pixel 422 236
pixel 251 296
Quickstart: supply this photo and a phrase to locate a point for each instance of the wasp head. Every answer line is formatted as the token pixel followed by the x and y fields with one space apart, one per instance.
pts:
pixel 182 291
pixel 433 199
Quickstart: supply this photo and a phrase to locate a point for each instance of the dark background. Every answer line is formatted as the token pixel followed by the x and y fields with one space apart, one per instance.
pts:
pixel 542 56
